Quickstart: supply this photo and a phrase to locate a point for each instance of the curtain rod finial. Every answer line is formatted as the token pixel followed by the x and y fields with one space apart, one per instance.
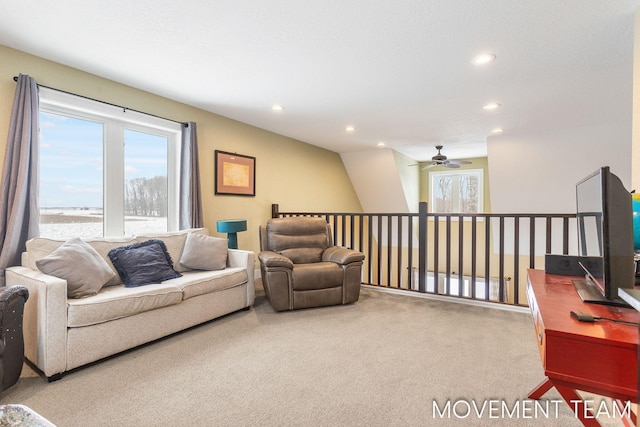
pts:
pixel 15 78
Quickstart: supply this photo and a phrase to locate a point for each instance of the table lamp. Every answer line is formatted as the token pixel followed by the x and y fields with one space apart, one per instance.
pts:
pixel 232 227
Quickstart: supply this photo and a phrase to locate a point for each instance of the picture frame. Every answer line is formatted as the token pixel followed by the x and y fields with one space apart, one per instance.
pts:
pixel 235 174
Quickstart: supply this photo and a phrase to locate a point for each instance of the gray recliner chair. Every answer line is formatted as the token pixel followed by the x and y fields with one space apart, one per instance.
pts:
pixel 12 299
pixel 301 267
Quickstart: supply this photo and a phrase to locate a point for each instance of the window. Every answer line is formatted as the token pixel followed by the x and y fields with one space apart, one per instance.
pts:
pixel 457 192
pixel 105 171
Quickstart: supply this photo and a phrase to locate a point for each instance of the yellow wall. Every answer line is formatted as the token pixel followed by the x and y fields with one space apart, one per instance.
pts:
pixel 296 175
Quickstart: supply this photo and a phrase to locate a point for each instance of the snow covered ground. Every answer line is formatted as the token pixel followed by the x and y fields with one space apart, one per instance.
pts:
pixel 65 223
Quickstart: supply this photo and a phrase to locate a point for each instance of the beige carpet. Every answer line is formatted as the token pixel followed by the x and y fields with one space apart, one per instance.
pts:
pixel 382 361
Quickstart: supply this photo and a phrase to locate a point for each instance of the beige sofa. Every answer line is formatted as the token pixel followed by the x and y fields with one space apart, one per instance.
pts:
pixel 63 333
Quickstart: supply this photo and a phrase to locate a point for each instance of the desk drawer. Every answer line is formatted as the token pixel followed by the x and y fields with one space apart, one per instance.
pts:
pixel 537 323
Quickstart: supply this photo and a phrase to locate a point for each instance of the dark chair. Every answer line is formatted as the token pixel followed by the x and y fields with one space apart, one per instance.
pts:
pixel 12 299
pixel 301 267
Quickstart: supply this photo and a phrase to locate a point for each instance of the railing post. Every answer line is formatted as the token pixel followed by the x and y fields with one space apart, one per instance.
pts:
pixel 274 210
pixel 422 246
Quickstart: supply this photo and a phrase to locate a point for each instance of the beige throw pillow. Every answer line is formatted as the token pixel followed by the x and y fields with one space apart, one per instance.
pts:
pixel 80 265
pixel 204 252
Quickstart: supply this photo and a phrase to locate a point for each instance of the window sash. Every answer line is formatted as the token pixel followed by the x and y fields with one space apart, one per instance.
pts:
pixel 455 188
pixel 115 121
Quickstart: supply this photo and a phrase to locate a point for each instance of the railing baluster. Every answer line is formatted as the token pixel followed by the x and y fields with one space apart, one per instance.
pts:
pixel 352 243
pixel 548 237
pixel 501 260
pixel 487 256
pixel 436 253
pixel 399 246
pixel 461 256
pixel 516 260
pixel 422 247
pixel 532 242
pixel 410 283
pixel 380 249
pixel 360 232
pixel 565 236
pixel 389 249
pixel 474 255
pixel 448 255
pixel 370 246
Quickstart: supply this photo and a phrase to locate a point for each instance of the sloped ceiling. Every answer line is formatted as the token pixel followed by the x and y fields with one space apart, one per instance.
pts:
pixel 399 72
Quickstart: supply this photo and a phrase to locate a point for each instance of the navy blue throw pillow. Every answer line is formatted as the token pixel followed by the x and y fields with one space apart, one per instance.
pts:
pixel 143 263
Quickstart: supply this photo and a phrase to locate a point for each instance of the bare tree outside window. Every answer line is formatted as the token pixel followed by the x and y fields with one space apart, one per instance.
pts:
pixel 146 196
pixel 468 193
pixel 443 194
pixel 145 186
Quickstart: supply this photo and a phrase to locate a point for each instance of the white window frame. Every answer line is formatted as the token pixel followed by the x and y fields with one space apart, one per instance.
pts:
pixel 478 172
pixel 115 120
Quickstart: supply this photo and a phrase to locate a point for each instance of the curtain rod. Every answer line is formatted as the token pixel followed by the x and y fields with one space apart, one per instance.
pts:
pixel 15 79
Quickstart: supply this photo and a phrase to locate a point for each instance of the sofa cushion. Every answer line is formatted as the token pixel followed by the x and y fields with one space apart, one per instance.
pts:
pixel 204 252
pixel 80 265
pixel 199 282
pixel 174 241
pixel 40 247
pixel 143 263
pixel 317 275
pixel 103 246
pixel 116 302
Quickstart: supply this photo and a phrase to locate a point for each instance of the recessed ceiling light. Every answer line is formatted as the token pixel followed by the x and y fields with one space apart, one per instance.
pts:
pixel 496 131
pixel 380 144
pixel 350 128
pixel 277 107
pixel 491 106
pixel 484 58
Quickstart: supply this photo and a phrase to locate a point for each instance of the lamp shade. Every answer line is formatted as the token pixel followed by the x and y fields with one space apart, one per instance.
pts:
pixel 231 225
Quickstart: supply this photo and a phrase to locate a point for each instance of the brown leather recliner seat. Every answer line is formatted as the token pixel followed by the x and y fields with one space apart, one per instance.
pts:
pixel 301 267
pixel 12 299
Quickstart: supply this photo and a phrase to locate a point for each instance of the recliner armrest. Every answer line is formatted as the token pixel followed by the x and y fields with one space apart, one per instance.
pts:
pixel 272 259
pixel 7 293
pixel 341 255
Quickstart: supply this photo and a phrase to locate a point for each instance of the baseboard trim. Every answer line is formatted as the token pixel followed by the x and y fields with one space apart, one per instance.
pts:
pixel 476 303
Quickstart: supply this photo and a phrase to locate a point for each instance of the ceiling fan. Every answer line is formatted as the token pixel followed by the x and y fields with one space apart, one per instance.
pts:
pixel 441 160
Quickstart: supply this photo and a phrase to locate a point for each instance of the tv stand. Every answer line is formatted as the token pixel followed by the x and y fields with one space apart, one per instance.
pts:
pixel 598 358
pixel 589 293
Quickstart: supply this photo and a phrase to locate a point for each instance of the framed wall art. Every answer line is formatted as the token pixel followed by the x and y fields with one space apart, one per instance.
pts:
pixel 235 174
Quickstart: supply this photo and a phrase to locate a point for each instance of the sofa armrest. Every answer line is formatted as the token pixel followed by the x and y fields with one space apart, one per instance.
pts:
pixel 246 259
pixel 272 259
pixel 45 318
pixel 341 255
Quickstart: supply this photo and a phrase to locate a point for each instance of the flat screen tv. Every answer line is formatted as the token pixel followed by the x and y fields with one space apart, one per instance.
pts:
pixel 605 236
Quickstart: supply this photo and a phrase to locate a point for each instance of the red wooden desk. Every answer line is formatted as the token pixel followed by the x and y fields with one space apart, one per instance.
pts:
pixel 599 358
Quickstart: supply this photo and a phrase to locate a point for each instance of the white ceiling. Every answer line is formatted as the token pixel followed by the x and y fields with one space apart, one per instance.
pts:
pixel 399 71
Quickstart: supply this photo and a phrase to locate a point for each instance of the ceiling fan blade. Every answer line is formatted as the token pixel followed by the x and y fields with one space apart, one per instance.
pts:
pixel 451 165
pixel 429 166
pixel 460 162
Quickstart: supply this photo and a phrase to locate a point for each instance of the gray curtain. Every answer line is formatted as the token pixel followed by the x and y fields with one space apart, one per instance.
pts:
pixel 190 200
pixel 19 210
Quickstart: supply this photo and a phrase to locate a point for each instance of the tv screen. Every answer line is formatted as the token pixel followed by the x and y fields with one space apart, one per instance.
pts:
pixel 605 232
